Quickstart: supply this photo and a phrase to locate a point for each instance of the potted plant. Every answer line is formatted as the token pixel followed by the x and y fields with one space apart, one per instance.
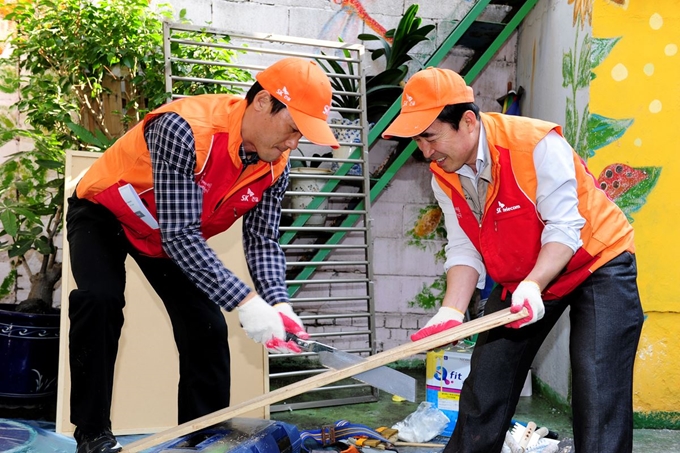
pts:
pixel 65 91
pixel 304 178
pixel 384 88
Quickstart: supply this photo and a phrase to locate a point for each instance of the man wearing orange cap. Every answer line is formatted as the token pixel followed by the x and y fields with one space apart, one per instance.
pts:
pixel 520 205
pixel 188 171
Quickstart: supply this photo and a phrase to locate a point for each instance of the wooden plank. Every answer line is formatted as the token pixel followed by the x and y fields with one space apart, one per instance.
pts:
pixel 400 352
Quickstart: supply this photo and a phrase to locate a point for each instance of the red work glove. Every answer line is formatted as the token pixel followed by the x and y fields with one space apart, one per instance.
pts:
pixel 291 322
pixel 527 294
pixel 446 318
pixel 267 325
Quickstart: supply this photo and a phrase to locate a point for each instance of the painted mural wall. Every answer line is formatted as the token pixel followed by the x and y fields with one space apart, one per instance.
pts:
pixel 609 77
pixel 635 104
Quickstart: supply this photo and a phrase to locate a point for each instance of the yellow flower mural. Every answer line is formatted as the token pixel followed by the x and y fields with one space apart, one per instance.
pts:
pixel 588 131
pixel 583 12
pixel 635 87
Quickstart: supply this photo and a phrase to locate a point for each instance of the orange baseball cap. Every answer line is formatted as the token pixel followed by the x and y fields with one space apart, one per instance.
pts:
pixel 305 89
pixel 425 96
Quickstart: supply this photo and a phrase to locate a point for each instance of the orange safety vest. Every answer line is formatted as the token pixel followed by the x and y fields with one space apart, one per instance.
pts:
pixel 509 234
pixel 228 190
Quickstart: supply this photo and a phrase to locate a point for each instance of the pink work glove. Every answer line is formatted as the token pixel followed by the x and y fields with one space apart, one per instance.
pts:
pixel 446 318
pixel 291 322
pixel 268 325
pixel 527 295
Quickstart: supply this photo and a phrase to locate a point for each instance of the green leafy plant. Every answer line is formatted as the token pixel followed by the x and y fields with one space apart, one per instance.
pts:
pixel 397 43
pixel 384 88
pixel 74 57
pixel 31 200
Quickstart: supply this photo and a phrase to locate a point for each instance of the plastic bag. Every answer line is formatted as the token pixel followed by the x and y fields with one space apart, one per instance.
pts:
pixel 422 425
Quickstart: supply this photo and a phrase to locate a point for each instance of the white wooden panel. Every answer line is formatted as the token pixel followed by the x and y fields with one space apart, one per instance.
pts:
pixel 145 387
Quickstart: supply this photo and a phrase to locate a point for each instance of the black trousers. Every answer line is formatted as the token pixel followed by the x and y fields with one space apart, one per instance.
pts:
pixel 606 320
pixel 98 249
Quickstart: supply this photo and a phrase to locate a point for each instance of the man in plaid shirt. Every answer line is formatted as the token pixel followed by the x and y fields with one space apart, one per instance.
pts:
pixel 188 171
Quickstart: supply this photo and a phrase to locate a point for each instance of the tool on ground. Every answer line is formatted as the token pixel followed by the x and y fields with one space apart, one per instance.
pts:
pixel 390 434
pixel 549 435
pixel 526 436
pixel 383 378
pixel 465 330
pixel 366 443
pixel 340 430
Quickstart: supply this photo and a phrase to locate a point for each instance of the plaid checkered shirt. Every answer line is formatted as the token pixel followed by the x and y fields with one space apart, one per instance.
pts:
pixel 179 203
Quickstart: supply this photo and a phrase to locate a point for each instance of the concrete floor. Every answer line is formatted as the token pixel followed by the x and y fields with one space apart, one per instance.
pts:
pixel 386 412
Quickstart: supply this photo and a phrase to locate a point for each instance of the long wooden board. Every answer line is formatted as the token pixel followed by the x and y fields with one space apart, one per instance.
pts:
pixel 383 358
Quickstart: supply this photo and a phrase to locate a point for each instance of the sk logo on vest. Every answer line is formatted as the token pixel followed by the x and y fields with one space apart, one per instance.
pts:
pixel 250 197
pixel 205 186
pixel 503 208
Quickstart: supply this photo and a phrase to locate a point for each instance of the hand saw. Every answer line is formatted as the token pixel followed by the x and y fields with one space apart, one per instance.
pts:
pixel 383 378
pixel 464 330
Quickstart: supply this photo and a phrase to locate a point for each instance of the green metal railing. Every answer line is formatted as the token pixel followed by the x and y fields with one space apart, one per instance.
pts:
pixel 380 183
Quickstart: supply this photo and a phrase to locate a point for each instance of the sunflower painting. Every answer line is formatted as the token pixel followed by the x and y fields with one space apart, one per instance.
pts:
pixel 583 11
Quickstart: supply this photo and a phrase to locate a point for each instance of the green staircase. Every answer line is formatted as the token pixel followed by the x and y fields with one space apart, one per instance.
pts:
pixel 482 38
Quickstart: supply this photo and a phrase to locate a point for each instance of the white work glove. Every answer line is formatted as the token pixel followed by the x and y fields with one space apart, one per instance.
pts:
pixel 537 443
pixel 446 318
pixel 267 325
pixel 510 445
pixel 527 295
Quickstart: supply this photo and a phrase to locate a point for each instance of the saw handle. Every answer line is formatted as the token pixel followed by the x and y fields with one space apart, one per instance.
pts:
pixel 308 345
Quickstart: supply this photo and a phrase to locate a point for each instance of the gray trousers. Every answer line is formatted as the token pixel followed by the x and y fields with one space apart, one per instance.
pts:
pixel 606 320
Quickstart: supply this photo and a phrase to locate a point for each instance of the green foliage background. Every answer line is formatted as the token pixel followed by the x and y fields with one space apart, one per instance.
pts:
pixel 63 51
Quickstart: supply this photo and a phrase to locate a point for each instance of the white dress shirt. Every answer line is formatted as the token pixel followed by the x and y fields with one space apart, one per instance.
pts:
pixel 556 197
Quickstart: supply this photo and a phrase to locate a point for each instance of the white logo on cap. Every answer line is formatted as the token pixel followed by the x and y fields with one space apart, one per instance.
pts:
pixel 326 110
pixel 283 92
pixel 408 101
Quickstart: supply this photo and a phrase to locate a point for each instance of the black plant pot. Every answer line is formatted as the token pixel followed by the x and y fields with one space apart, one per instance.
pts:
pixel 29 352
